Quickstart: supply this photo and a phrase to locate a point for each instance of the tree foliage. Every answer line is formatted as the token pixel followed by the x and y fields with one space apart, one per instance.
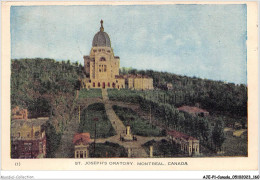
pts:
pixel 215 96
pixel 45 87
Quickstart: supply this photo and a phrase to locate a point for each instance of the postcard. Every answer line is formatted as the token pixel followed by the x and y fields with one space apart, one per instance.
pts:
pixel 129 86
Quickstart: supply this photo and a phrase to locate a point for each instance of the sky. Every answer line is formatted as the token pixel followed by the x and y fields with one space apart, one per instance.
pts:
pixel 206 41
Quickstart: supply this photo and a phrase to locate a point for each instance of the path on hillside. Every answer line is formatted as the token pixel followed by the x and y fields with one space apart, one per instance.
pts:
pixel 135 146
pixel 115 121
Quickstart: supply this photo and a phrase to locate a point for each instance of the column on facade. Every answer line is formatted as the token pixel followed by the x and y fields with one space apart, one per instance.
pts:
pixel 190 150
pixel 86 154
pixel 197 148
pixel 151 151
pixel 127 130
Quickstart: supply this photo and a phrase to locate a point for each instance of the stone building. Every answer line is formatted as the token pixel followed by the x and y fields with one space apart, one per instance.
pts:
pixel 102 67
pixel 188 144
pixel 28 139
pixel 139 82
pixel 81 145
pixel 18 113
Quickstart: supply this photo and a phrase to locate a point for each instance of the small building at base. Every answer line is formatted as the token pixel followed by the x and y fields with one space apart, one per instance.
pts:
pixel 81 145
pixel 188 144
pixel 28 138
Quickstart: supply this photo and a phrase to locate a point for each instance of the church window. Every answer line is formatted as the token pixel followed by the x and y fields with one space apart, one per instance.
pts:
pixel 93 84
pixel 95 50
pixel 102 59
pixel 89 81
pixel 108 84
pixel 105 68
pixel 116 81
pixel 99 70
pixel 99 84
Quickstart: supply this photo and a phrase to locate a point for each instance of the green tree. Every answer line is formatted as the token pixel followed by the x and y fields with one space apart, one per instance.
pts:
pixel 218 136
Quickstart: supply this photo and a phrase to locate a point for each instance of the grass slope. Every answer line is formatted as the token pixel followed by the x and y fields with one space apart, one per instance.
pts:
pixel 103 126
pixel 138 125
pixel 91 93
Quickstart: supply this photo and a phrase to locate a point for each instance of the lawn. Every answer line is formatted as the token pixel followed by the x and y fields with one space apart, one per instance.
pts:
pixel 103 126
pixel 160 96
pixel 139 126
pixel 91 93
pixel 125 95
pixel 107 149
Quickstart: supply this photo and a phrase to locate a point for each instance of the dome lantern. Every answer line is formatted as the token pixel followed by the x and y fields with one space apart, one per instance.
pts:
pixel 101 38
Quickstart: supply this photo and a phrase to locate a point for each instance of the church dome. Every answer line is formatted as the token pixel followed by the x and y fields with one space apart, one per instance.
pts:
pixel 101 38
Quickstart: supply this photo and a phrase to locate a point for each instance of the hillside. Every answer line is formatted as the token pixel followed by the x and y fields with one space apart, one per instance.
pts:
pixel 41 84
pixel 48 88
pixel 215 96
pixel 35 82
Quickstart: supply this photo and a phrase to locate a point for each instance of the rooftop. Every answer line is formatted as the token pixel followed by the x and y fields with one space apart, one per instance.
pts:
pixel 136 76
pixel 180 135
pixel 83 138
pixel 101 38
pixel 192 109
pixel 29 122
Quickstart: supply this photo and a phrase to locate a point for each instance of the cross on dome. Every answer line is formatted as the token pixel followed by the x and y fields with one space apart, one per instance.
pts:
pixel 101 28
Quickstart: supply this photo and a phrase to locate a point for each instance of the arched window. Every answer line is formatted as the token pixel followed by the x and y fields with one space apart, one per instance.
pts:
pixel 102 59
pixel 93 84
pixel 99 84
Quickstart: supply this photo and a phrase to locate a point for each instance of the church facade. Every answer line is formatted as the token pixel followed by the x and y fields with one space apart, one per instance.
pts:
pixel 102 68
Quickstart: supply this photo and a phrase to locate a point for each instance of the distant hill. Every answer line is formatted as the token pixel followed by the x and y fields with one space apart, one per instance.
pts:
pixel 216 96
pixel 35 82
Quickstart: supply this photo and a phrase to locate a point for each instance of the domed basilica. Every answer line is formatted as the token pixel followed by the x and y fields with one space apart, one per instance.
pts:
pixel 102 67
